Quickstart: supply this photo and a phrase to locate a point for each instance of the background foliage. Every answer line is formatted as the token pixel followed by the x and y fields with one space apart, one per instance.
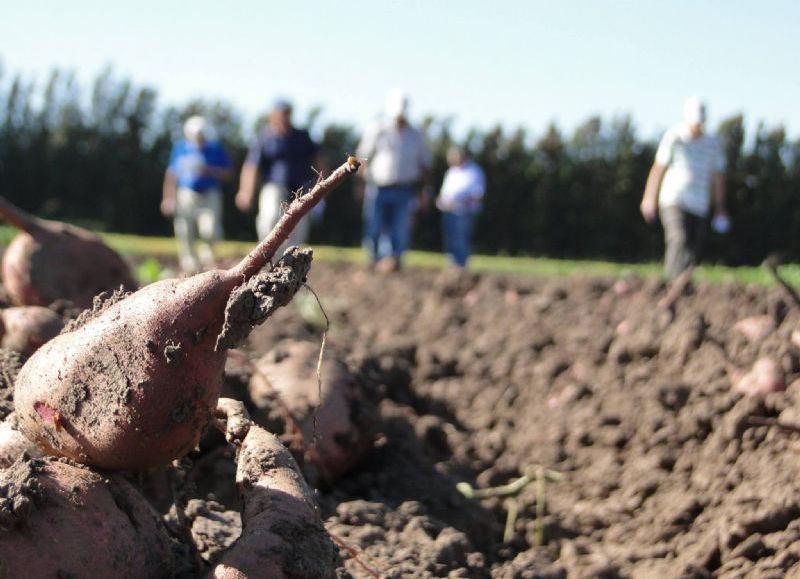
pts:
pixel 97 157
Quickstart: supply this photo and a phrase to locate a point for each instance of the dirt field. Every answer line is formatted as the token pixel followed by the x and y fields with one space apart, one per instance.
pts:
pixel 659 468
pixel 666 471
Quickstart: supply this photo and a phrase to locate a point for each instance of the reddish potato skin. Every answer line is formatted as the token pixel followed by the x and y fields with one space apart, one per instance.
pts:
pixel 283 536
pixel 340 443
pixel 79 530
pixel 60 261
pixel 25 329
pixel 134 387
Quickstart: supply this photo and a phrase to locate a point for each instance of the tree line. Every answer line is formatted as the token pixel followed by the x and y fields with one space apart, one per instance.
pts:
pixel 97 157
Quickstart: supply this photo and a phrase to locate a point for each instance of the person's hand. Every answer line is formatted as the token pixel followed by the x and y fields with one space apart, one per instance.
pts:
pixel 442 205
pixel 423 201
pixel 649 209
pixel 168 207
pixel 359 190
pixel 721 223
pixel 243 201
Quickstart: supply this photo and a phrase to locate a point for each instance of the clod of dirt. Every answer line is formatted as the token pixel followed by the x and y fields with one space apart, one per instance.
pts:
pixel 253 302
pixel 19 492
pixel 10 363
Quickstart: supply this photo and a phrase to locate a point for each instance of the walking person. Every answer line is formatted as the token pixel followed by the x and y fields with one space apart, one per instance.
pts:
pixel 281 158
pixel 396 171
pixel 192 193
pixel 685 181
pixel 460 200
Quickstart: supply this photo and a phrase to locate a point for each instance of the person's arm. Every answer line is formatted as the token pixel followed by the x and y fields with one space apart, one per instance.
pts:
pixel 425 187
pixel 364 152
pixel 247 186
pixel 168 190
pixel 718 194
pixel 219 165
pixel 649 204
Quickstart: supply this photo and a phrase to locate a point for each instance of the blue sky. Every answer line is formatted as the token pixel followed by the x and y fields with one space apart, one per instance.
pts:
pixel 519 63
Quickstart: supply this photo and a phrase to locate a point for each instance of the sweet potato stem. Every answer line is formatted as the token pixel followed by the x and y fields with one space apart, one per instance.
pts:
pixel 18 218
pixel 265 250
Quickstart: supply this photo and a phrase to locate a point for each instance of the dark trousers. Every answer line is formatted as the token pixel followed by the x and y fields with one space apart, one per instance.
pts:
pixel 684 237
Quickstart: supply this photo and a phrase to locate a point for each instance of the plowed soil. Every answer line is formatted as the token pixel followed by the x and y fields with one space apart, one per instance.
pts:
pixel 659 467
pixel 640 457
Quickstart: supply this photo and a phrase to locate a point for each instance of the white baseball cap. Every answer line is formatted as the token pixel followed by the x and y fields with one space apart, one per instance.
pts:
pixel 396 103
pixel 694 111
pixel 196 126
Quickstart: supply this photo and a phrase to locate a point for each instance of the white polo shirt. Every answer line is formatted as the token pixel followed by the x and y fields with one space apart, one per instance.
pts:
pixel 690 164
pixel 394 156
pixel 463 188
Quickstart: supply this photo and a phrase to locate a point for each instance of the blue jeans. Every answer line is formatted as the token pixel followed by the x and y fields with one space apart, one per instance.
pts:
pixel 457 233
pixel 390 213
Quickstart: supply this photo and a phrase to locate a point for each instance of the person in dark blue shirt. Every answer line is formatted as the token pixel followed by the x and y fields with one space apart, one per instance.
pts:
pixel 281 157
pixel 192 195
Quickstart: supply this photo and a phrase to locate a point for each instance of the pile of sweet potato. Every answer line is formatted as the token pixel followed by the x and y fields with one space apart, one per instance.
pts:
pixel 133 384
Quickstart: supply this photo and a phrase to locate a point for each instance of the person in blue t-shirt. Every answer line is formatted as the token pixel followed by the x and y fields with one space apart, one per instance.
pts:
pixel 282 158
pixel 192 195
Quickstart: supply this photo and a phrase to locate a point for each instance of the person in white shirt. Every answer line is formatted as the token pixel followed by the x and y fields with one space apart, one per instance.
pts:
pixel 395 168
pixel 460 200
pixel 687 175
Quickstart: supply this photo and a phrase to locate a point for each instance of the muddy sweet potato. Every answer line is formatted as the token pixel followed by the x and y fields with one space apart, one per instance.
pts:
pixel 135 385
pixel 765 376
pixel 25 328
pixel 282 533
pixel 62 520
pixel 329 418
pixel 49 260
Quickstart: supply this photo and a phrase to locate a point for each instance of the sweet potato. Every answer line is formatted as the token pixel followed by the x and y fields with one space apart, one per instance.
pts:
pixel 135 385
pixel 333 430
pixel 24 329
pixel 764 377
pixel 755 328
pixel 50 260
pixel 62 520
pixel 282 534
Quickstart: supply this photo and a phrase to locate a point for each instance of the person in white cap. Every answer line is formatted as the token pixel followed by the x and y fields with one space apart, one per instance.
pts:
pixel 192 193
pixel 396 171
pixel 687 177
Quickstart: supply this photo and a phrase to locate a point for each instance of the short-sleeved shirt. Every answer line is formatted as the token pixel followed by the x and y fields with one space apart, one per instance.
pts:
pixel 284 160
pixel 690 165
pixel 463 188
pixel 188 159
pixel 395 156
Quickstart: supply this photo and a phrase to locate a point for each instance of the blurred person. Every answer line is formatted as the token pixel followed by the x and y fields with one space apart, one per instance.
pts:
pixel 282 158
pixel 460 200
pixel 686 177
pixel 192 193
pixel 397 160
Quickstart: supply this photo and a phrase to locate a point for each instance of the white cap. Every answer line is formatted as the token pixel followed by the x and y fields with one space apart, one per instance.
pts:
pixel 694 111
pixel 396 103
pixel 195 126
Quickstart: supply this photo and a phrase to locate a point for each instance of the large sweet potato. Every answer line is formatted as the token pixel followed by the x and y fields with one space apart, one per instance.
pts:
pixel 49 260
pixel 62 520
pixel 282 534
pixel 329 418
pixel 135 385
